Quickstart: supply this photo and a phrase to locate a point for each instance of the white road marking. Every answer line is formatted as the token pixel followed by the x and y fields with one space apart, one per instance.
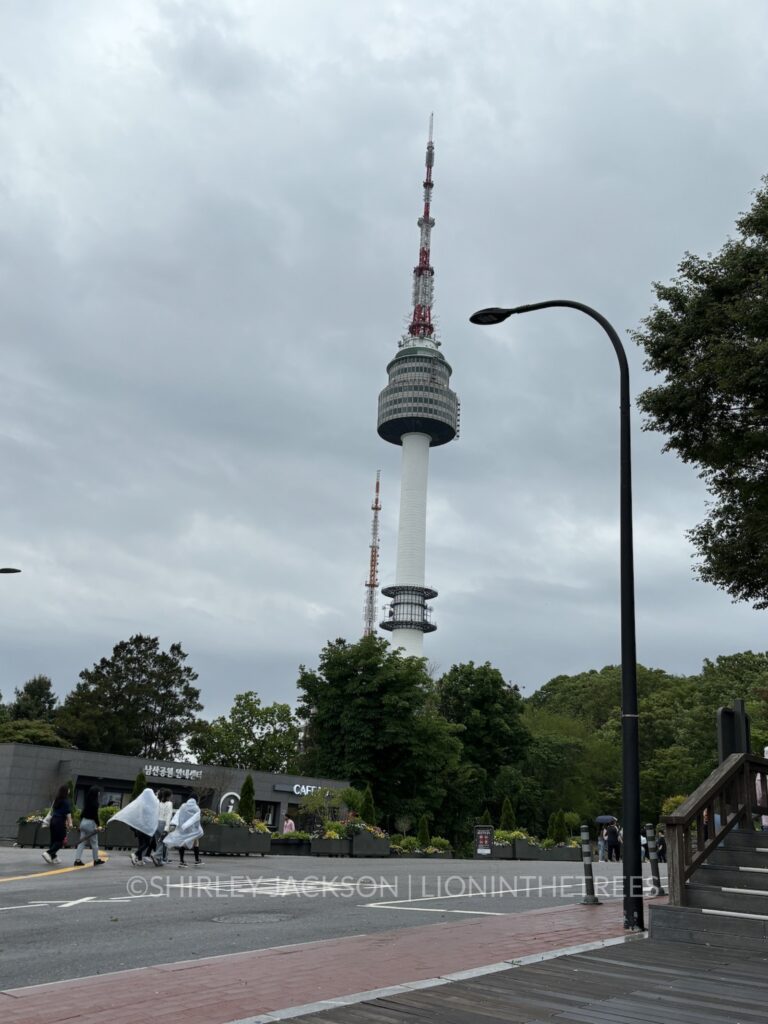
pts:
pixel 74 903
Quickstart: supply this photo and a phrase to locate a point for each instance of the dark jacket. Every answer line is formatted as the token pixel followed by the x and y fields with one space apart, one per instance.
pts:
pixel 61 808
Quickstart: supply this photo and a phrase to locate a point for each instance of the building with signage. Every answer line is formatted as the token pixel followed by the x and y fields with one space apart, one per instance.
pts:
pixel 30 776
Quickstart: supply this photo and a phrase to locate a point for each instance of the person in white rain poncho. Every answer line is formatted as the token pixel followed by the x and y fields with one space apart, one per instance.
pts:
pixel 188 831
pixel 142 815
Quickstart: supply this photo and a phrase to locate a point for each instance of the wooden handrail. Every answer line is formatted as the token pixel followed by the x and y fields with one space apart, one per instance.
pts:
pixel 727 798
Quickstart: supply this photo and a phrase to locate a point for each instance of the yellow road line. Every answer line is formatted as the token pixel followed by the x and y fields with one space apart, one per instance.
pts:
pixel 55 871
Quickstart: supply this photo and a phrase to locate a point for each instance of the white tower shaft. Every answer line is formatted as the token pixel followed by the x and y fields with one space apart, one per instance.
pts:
pixel 412 534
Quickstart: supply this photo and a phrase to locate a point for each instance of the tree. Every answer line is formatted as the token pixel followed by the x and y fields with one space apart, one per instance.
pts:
pixel 247 806
pixel 34 701
pixel 139 785
pixel 422 835
pixel 263 739
pixel 367 807
pixel 557 830
pixel 489 714
pixel 28 731
pixel 708 336
pixel 507 820
pixel 370 716
pixel 140 702
pixel 485 818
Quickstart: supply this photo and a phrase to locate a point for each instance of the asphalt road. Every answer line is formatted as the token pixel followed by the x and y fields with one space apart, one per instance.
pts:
pixel 56 925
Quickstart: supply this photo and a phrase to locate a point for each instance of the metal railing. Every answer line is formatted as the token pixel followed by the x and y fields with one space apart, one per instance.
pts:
pixel 733 795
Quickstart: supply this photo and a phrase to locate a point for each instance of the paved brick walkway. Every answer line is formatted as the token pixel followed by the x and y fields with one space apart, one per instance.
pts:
pixel 217 990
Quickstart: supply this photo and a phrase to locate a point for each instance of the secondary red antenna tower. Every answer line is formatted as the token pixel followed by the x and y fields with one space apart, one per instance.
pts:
pixel 372 583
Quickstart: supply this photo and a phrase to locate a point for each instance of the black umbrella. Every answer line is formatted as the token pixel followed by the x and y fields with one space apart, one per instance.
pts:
pixel 605 819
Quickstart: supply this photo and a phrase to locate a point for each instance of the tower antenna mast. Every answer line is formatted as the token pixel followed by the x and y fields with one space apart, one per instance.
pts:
pixel 418 411
pixel 372 583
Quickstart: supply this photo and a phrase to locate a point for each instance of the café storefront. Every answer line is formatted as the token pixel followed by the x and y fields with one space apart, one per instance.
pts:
pixel 31 774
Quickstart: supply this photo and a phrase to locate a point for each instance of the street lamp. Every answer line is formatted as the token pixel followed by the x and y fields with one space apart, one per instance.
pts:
pixel 632 868
pixel 10 570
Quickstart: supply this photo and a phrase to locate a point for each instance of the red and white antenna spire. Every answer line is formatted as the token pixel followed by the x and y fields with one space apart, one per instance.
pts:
pixel 372 583
pixel 423 274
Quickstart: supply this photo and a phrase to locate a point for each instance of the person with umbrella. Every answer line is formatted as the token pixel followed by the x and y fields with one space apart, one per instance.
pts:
pixel 602 820
pixel 608 837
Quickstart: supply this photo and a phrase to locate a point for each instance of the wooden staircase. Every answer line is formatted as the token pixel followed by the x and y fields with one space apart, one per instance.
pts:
pixel 718 868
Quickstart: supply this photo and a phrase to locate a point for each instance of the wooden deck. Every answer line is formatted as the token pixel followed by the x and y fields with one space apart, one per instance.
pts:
pixel 638 982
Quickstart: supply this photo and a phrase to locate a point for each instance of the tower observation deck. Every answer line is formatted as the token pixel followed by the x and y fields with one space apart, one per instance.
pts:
pixel 418 411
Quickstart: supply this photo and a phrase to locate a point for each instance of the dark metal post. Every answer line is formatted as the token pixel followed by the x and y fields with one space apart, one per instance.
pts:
pixel 653 853
pixel 632 868
pixel 586 855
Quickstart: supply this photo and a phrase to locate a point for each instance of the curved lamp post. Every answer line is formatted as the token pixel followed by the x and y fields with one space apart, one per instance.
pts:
pixel 631 864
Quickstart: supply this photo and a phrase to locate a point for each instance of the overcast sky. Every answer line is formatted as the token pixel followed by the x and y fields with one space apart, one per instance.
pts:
pixel 207 231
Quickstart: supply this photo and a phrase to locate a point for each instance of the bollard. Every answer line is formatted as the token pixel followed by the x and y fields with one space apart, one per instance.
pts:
pixel 653 853
pixel 589 882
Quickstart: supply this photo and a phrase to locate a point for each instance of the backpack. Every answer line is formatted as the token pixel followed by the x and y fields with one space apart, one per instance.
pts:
pixel 612 834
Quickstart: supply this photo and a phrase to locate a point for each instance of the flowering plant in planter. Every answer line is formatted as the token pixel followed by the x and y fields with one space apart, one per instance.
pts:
pixel 257 825
pixel 507 837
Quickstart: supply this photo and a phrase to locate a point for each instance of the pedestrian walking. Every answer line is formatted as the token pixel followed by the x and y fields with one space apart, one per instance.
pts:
pixel 601 844
pixel 288 824
pixel 142 815
pixel 612 842
pixel 187 831
pixel 60 818
pixel 661 847
pixel 89 827
pixel 164 822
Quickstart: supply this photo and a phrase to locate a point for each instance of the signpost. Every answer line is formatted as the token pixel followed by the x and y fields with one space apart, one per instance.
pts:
pixel 483 840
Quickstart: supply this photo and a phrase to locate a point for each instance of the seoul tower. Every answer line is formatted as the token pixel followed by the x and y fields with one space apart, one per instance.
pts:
pixel 418 411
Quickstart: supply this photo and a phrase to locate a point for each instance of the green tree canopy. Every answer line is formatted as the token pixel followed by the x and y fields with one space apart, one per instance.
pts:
pixel 140 701
pixel 708 337
pixel 26 730
pixel 264 739
pixel 35 700
pixel 370 717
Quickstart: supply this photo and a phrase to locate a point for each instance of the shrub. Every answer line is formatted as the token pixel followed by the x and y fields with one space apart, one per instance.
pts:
pixel 557 830
pixel 410 844
pixel 139 785
pixel 230 818
pixel 671 804
pixel 396 839
pixel 247 808
pixel 440 844
pixel 547 844
pixel 367 807
pixel 485 818
pixel 422 836
pixel 257 825
pixel 507 820
pixel 304 836
pixel 105 813
pixel 351 798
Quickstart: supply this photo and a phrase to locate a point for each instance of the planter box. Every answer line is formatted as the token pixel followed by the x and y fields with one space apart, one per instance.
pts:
pixel 366 845
pixel 226 839
pixel 295 847
pixel 26 833
pixel 571 853
pixel 424 856
pixel 118 836
pixel 331 847
pixel 259 842
pixel 526 851
pixel 498 853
